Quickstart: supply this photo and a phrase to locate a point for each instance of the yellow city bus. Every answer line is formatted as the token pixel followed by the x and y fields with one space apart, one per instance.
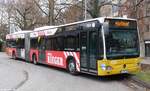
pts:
pixel 101 46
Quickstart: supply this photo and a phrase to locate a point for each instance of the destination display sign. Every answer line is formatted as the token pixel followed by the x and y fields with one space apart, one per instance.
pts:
pixel 117 23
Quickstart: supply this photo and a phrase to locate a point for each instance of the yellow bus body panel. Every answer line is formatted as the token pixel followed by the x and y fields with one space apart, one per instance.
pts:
pixel 119 66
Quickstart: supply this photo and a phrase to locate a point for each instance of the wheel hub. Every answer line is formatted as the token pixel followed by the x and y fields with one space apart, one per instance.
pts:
pixel 71 67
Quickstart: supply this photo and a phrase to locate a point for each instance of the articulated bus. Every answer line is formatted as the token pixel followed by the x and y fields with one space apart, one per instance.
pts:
pixel 101 46
pixel 17 45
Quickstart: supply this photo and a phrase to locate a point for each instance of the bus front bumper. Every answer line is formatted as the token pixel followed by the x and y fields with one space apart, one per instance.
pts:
pixel 119 71
pixel 107 67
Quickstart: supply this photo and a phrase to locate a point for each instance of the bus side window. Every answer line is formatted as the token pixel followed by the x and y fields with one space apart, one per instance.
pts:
pixel 12 43
pixel 77 43
pixel 70 43
pixel 52 44
pixel 60 43
pixel 34 42
pixel 48 44
pixel 8 43
pixel 20 43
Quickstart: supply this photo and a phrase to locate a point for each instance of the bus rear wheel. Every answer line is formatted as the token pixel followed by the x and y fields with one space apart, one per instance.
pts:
pixel 72 67
pixel 34 59
pixel 14 56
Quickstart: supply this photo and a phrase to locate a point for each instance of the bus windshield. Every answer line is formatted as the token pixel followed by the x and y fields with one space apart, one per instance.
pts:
pixel 122 44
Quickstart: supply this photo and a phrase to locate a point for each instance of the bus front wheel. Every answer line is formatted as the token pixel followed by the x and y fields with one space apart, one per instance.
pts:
pixel 72 67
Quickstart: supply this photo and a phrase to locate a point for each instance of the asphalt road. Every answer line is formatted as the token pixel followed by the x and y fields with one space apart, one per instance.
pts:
pixel 22 76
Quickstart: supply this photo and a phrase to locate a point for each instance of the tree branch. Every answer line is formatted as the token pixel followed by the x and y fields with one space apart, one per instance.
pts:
pixel 40 7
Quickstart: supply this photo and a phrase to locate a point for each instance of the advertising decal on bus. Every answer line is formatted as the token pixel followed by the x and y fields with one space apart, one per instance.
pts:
pixel 58 58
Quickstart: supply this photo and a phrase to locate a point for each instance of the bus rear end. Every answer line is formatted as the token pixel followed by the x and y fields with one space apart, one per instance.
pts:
pixel 121 47
pixel 10 45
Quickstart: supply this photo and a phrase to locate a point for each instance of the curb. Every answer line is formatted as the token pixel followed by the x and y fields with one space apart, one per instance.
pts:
pixel 145 66
pixel 144 84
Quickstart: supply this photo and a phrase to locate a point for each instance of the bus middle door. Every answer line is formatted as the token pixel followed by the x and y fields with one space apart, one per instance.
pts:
pixel 42 48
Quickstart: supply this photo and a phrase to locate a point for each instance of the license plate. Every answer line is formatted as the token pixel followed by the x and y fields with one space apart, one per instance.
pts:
pixel 124 71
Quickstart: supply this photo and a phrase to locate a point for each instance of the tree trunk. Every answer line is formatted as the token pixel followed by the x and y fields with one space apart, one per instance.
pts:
pixel 51 12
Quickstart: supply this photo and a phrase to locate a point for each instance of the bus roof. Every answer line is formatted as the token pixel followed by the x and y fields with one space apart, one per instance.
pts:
pixel 100 19
pixel 41 31
pixel 51 30
pixel 19 34
pixel 43 28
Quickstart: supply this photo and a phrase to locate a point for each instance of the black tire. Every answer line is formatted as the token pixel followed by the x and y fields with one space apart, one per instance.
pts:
pixel 72 67
pixel 34 59
pixel 14 56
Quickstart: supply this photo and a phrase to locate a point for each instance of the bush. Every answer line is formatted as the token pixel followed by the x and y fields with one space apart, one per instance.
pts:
pixel 1 45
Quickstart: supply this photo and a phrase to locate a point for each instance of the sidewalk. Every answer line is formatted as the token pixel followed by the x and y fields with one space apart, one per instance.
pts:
pixel 142 78
pixel 146 60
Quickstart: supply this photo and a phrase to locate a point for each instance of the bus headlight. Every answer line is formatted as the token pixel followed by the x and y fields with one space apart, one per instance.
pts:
pixel 105 67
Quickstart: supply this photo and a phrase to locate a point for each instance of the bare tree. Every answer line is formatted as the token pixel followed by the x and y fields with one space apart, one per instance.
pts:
pixel 47 9
pixel 3 21
pixel 94 7
pixel 52 9
pixel 138 9
pixel 72 14
pixel 24 14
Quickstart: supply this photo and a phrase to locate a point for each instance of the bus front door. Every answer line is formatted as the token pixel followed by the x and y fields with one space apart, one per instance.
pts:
pixel 88 51
pixel 83 51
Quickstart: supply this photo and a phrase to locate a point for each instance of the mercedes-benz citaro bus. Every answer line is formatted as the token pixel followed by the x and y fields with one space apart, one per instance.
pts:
pixel 101 46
